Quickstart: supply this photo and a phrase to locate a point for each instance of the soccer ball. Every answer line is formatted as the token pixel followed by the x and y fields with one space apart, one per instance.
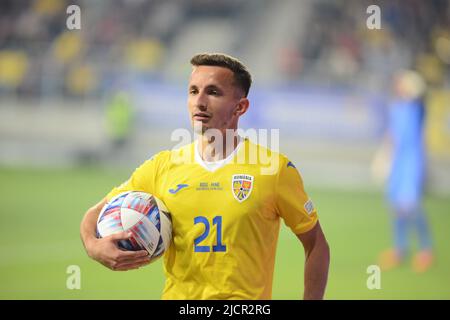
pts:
pixel 142 214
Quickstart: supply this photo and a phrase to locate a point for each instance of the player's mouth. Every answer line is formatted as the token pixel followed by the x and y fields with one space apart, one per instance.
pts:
pixel 201 116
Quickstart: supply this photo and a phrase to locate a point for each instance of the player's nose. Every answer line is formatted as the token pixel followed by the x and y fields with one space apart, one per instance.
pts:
pixel 201 102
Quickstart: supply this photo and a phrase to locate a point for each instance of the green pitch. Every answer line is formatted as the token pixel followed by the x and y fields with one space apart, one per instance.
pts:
pixel 39 239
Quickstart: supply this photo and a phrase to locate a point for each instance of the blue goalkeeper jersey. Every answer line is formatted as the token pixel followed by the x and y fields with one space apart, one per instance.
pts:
pixel 406 120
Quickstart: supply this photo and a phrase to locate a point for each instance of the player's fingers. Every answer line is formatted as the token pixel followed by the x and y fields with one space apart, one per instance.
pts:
pixel 134 261
pixel 126 268
pixel 123 255
pixel 131 266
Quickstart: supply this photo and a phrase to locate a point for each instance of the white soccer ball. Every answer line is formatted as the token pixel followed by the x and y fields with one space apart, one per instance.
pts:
pixel 142 214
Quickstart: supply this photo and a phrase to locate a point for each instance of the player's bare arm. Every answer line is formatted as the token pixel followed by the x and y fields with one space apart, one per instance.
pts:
pixel 105 250
pixel 317 254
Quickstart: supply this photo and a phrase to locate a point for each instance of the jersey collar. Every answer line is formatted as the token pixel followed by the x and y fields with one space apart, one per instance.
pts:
pixel 214 165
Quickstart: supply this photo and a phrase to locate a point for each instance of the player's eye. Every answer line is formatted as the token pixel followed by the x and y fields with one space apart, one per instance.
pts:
pixel 193 91
pixel 214 92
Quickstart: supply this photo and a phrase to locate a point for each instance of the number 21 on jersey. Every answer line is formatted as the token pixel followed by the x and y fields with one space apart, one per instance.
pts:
pixel 219 247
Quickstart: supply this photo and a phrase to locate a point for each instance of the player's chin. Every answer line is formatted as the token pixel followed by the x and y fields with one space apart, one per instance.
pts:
pixel 199 127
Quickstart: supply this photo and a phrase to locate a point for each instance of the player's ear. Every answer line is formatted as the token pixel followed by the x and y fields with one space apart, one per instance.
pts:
pixel 241 107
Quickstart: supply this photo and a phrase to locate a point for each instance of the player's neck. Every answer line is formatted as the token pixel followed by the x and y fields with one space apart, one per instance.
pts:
pixel 211 150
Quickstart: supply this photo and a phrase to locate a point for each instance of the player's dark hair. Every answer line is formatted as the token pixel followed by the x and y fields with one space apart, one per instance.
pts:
pixel 242 77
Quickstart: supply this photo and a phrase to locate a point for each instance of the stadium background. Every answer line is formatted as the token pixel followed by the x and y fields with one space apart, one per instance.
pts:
pixel 320 76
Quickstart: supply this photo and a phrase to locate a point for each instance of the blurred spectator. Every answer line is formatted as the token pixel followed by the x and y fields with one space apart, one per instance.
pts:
pixel 13 67
pixel 67 47
pixel 144 54
pixel 48 7
pixel 81 80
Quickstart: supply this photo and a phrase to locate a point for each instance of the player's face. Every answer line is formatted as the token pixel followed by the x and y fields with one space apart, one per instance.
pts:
pixel 214 101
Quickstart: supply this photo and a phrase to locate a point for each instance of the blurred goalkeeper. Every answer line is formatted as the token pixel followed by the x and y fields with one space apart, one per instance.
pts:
pixel 402 156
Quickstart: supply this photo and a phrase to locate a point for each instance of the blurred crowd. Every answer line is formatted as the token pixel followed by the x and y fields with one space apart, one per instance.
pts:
pixel 414 34
pixel 39 56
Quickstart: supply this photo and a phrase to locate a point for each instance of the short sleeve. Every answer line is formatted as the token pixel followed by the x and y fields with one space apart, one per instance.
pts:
pixel 292 202
pixel 144 178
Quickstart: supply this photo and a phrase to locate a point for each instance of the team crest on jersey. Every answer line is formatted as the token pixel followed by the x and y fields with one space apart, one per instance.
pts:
pixel 242 186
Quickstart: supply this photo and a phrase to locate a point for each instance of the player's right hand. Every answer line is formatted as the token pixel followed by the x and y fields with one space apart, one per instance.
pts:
pixel 106 251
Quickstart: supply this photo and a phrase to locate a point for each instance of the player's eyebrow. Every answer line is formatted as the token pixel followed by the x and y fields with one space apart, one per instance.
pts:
pixel 208 87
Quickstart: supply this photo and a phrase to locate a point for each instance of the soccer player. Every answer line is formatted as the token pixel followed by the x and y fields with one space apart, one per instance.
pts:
pixel 407 173
pixel 225 208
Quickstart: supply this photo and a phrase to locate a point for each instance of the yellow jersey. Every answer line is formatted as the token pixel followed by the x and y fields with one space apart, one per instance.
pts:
pixel 225 218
